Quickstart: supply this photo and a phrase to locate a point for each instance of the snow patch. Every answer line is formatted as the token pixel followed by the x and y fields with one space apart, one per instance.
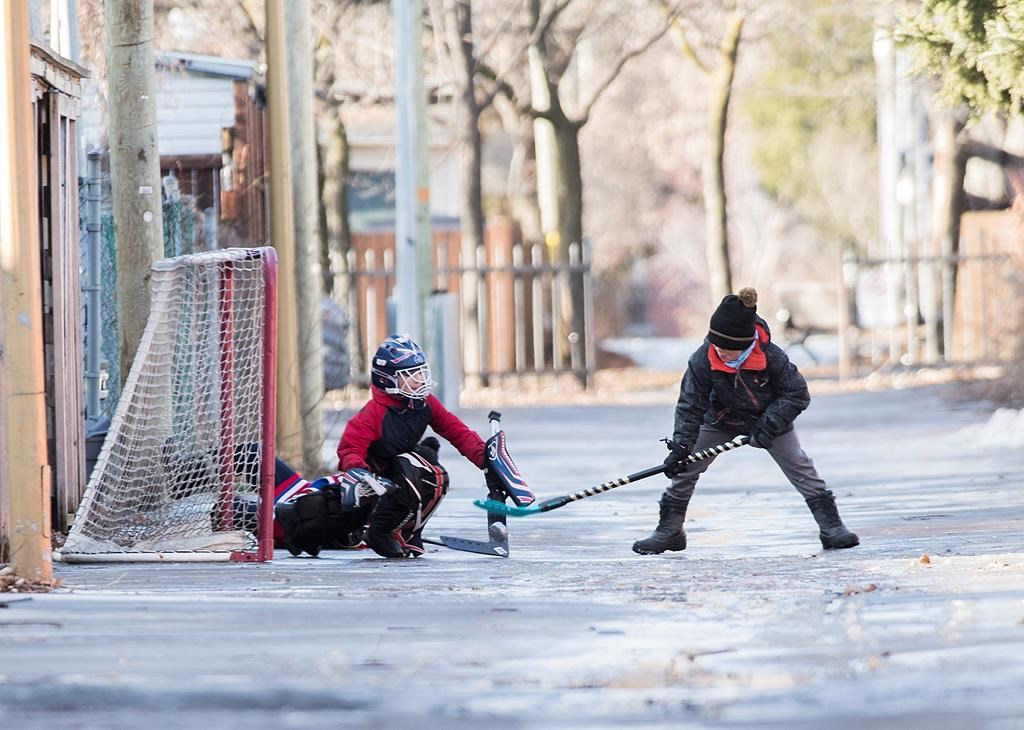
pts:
pixel 1004 429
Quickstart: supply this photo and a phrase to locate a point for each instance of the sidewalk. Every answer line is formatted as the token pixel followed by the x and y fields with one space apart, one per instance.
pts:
pixel 752 626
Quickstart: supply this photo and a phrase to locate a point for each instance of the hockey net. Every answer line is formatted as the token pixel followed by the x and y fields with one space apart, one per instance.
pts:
pixel 186 469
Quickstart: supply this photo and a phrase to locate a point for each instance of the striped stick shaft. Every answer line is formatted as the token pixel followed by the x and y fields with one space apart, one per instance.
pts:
pixel 555 502
pixel 603 487
pixel 623 481
pixel 718 449
pixel 613 483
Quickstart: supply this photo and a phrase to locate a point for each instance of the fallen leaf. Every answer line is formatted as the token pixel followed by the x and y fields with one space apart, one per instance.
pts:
pixel 925 560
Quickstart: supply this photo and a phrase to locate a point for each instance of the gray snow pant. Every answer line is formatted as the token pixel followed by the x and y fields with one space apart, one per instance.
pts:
pixel 795 464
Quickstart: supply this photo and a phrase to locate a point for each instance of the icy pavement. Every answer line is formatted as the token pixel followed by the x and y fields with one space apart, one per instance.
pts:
pixel 752 626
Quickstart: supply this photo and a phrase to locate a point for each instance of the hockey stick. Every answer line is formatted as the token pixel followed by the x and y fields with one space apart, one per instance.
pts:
pixel 555 502
pixel 497 532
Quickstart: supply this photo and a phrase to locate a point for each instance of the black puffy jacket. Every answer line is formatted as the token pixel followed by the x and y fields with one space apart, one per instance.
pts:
pixel 734 401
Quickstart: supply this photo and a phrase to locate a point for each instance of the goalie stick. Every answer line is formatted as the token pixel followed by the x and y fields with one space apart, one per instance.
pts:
pixel 497 531
pixel 547 505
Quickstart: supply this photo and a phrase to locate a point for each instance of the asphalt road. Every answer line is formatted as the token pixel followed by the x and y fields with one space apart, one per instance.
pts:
pixel 752 626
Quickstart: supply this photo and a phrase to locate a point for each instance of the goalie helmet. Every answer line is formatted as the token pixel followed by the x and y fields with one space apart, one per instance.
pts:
pixel 400 367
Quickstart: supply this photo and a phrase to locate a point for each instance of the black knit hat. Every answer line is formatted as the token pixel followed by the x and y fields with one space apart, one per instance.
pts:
pixel 732 324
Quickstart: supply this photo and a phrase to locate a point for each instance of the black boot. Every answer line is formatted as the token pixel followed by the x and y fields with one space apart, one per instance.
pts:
pixel 669 534
pixel 833 534
pixel 383 543
pixel 313 520
pixel 289 522
pixel 393 512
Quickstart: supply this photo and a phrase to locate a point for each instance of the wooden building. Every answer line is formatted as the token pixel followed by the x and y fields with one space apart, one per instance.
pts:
pixel 211 126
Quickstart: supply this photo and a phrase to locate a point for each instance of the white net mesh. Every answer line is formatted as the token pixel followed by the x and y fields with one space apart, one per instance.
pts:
pixel 179 471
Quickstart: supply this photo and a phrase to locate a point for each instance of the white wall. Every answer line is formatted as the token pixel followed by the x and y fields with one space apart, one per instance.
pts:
pixel 190 110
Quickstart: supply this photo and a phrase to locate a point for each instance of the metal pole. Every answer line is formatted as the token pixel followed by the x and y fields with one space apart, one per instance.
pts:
pixel 421 150
pixel 93 312
pixel 407 285
pixel 25 472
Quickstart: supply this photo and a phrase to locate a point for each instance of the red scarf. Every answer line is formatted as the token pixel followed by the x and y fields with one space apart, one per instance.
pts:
pixel 755 361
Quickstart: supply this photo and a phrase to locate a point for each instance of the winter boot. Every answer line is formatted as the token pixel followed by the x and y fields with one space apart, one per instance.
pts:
pixel 384 535
pixel 833 534
pixel 383 543
pixel 669 534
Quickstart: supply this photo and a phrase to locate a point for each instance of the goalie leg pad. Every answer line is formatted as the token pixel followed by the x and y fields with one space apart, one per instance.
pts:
pixel 316 520
pixel 400 515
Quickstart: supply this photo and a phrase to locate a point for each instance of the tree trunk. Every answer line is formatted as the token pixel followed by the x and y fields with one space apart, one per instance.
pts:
pixel 322 232
pixel 471 214
pixel 544 97
pixel 571 193
pixel 522 196
pixel 949 168
pixel 134 165
pixel 715 208
pixel 339 236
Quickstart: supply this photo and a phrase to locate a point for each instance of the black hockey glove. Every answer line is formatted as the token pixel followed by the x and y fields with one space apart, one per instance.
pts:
pixel 675 462
pixel 763 434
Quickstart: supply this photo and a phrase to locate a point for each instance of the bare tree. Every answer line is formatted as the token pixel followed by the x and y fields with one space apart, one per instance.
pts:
pixel 554 40
pixel 458 33
pixel 720 74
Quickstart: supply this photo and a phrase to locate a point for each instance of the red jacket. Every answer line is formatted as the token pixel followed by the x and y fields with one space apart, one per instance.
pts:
pixel 387 427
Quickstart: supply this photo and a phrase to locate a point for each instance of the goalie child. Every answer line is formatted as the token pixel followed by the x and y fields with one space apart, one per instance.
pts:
pixel 390 480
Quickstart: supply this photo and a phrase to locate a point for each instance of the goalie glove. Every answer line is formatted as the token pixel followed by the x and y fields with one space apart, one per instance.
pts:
pixel 502 475
pixel 356 486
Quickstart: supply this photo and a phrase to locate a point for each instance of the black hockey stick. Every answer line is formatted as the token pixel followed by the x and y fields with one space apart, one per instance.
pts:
pixel 555 502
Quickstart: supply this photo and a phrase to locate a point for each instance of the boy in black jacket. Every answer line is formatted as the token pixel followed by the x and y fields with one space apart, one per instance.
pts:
pixel 739 382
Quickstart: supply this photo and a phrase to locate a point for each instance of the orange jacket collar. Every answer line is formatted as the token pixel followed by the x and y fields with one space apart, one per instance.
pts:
pixel 756 361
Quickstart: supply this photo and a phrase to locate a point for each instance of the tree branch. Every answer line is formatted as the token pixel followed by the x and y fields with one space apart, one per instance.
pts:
pixel 981 150
pixel 626 58
pixel 501 87
pixel 251 18
pixel 544 24
pixel 678 32
pixel 977 202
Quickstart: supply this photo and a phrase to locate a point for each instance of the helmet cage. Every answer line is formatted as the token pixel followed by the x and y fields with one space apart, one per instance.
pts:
pixel 414 382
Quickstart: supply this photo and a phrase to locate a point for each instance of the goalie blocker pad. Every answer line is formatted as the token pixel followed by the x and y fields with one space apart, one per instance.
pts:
pixel 503 474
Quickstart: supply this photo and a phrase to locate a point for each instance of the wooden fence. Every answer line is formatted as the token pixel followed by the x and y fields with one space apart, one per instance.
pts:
pixel 964 307
pixel 520 293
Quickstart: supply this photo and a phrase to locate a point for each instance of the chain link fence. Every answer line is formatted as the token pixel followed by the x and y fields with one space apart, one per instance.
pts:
pixel 184 233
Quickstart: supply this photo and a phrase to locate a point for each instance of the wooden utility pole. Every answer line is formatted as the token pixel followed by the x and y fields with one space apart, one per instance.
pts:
pixel 134 164
pixel 282 232
pixel 305 194
pixel 23 459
